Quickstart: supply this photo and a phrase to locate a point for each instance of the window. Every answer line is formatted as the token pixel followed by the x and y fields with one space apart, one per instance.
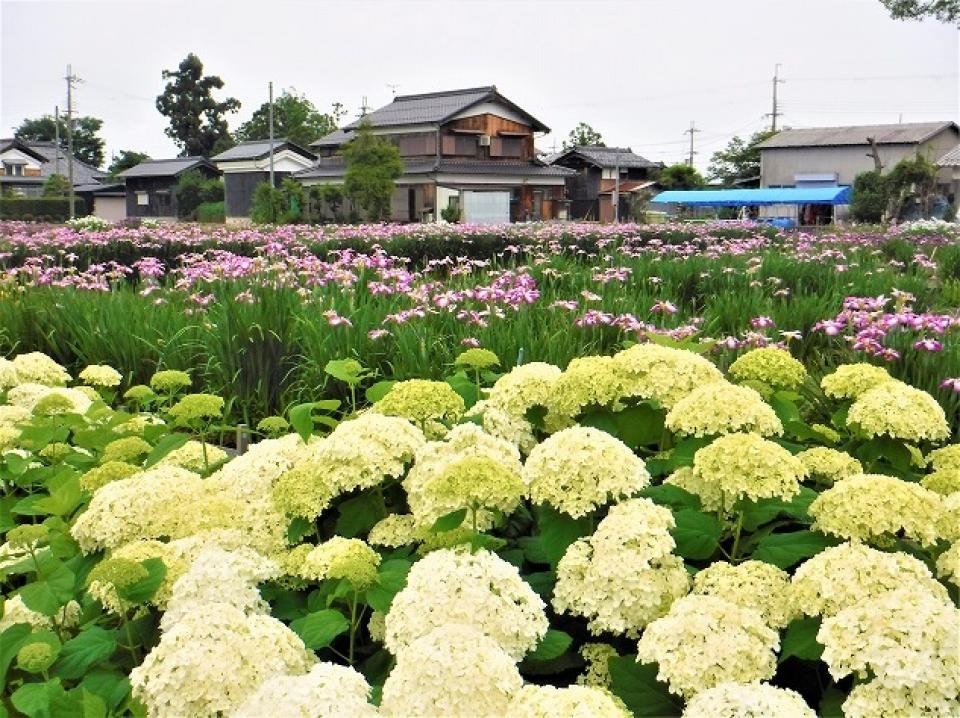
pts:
pixel 143 199
pixel 460 145
pixel 13 169
pixel 506 147
pixel 417 145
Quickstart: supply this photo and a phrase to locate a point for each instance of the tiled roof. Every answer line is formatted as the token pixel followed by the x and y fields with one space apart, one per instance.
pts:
pixel 336 167
pixel 606 157
pixel 437 107
pixel 907 133
pixel 334 139
pixel 82 172
pixel 166 168
pixel 951 159
pixel 258 149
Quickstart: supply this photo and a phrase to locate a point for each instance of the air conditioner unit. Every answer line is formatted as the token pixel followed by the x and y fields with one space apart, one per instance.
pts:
pixel 484 140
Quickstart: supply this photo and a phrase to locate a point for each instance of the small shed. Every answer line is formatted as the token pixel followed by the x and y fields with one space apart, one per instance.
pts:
pixel 150 185
pixel 248 164
pixel 797 205
pixel 106 201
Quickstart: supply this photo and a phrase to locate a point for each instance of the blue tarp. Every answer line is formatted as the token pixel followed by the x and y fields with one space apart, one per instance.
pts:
pixel 755 197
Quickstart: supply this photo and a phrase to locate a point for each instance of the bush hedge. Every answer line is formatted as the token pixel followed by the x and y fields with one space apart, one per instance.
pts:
pixel 40 209
pixel 211 212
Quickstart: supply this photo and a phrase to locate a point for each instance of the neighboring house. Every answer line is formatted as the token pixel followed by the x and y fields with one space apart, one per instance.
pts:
pixel 248 164
pixel 834 156
pixel 150 185
pixel 950 165
pixel 25 166
pixel 591 189
pixel 468 149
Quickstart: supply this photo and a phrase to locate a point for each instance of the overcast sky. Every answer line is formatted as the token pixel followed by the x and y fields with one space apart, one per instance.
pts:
pixel 637 70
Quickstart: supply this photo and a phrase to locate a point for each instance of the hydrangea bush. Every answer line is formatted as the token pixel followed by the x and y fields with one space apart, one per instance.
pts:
pixel 639 534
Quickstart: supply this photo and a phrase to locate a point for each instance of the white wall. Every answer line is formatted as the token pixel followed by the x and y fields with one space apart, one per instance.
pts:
pixel 112 209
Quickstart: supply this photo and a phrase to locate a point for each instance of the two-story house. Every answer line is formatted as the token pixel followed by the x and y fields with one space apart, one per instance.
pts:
pixel 26 165
pixel 469 151
pixel 592 188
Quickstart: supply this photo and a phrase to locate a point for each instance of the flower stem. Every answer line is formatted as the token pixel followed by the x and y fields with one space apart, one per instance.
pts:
pixel 734 554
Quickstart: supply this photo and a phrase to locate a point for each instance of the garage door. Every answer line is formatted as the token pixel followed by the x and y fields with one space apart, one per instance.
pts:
pixel 486 207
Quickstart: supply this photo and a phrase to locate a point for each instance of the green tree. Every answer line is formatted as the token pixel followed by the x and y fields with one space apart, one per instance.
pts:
pixel 294 117
pixel 197 120
pixel 911 184
pixel 680 176
pixel 329 194
pixel 124 161
pixel 194 189
pixel 268 204
pixel 869 199
pixel 373 165
pixel 56 185
pixel 581 135
pixel 943 10
pixel 87 146
pixel 739 161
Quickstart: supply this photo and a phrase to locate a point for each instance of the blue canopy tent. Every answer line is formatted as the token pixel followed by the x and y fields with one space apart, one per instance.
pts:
pixel 766 197
pixel 755 197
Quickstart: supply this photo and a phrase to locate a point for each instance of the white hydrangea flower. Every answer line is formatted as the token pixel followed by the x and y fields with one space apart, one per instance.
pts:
pixel 750 700
pixel 751 584
pixel 212 658
pixel 453 671
pixel 479 590
pixel 534 701
pixel 326 691
pixel 704 641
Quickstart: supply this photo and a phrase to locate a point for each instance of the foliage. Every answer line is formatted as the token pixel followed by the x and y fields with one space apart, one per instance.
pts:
pixel 739 162
pixel 680 176
pixel 56 186
pixel 373 165
pixel 193 189
pixel 943 10
pixel 39 209
pixel 268 204
pixel 451 214
pixel 869 201
pixel 583 135
pixel 211 213
pixel 326 196
pixel 295 118
pixel 87 145
pixel 124 161
pixel 911 181
pixel 197 122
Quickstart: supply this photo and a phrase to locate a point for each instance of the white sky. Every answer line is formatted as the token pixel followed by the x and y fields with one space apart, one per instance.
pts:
pixel 637 70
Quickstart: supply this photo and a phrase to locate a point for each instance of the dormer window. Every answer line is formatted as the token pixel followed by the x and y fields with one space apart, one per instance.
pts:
pixel 13 169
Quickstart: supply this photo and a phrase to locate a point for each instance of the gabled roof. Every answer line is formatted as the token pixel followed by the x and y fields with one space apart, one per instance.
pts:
pixel 951 159
pixel 14 143
pixel 334 139
pixel 604 157
pixel 258 149
pixel 438 107
pixel 46 153
pixel 907 133
pixel 167 168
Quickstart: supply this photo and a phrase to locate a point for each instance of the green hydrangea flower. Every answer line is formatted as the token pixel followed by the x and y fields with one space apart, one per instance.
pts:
pixel 197 407
pixel 170 381
pixel 273 426
pixel 477 359
pixel 27 535
pixel 36 657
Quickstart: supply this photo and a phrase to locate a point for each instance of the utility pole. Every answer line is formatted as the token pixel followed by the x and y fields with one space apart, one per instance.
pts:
pixel 71 79
pixel 616 190
pixel 775 113
pixel 691 131
pixel 393 89
pixel 363 108
pixel 270 115
pixel 56 137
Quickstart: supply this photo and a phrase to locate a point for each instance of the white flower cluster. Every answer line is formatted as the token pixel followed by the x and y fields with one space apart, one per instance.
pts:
pixel 326 691
pixel 479 590
pixel 623 576
pixel 579 469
